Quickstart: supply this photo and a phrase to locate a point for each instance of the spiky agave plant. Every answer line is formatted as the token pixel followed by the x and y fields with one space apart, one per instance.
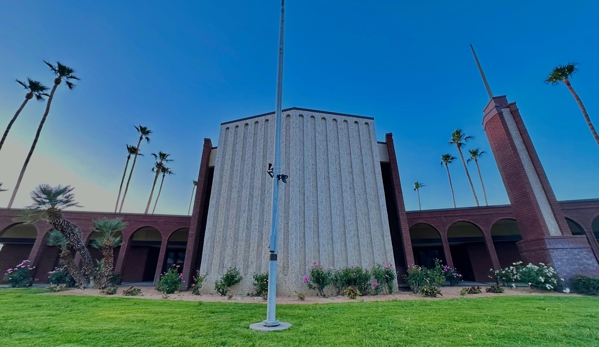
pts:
pixel 56 238
pixel 48 203
pixel 108 229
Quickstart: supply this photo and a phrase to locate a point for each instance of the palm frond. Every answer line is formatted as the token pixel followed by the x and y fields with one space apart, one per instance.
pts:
pixel 31 216
pixel 418 185
pixel 195 183
pixel 56 238
pixel 71 85
pixel 52 67
pixel 60 197
pixel 447 159
pixel 23 84
pixel 561 73
pixel 108 229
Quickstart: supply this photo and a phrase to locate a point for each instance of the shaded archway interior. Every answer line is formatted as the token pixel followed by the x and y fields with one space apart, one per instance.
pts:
pixel 427 245
pixel 16 243
pixel 506 234
pixel 142 258
pixel 469 251
pixel 175 250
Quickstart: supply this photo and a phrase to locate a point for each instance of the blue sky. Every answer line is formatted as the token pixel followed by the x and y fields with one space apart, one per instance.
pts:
pixel 183 67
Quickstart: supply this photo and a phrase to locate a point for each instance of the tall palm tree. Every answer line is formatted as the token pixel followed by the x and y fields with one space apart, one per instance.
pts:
pixel 34 88
pixel 447 159
pixel 56 238
pixel 417 186
pixel 144 133
pixel 475 154
pixel 161 158
pixel 459 139
pixel 61 72
pixel 165 171
pixel 563 73
pixel 106 242
pixel 48 203
pixel 132 150
pixel 195 184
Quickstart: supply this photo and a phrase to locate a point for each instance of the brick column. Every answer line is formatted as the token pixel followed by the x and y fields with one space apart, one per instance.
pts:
pixel 446 249
pixel 125 246
pixel 546 236
pixel 491 250
pixel 38 248
pixel 198 222
pixel 161 255
pixel 592 240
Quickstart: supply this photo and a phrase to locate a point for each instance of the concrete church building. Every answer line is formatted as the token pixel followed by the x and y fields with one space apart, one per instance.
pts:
pixel 342 206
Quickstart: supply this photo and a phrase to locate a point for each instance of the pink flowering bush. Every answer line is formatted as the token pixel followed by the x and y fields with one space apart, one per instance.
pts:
pixel 198 281
pixel 20 275
pixel 61 275
pixel 451 274
pixel 319 279
pixel 384 277
pixel 418 277
pixel 170 281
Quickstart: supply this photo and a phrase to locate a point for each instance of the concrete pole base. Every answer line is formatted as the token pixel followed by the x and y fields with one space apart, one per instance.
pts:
pixel 264 329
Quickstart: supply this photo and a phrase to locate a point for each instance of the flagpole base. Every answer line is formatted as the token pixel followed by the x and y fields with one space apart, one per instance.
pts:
pixel 263 327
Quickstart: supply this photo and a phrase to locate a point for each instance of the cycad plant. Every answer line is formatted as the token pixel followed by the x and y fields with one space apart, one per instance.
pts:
pixel 475 154
pixel 562 74
pixel 34 88
pixel 56 238
pixel 144 134
pixel 62 72
pixel 459 139
pixel 193 189
pixel 165 171
pixel 48 203
pixel 109 230
pixel 417 186
pixel 447 159
pixel 161 159
pixel 132 150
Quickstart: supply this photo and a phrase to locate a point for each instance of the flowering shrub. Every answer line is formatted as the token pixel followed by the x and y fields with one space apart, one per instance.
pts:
pixel 319 279
pixel 170 281
pixel 430 290
pixel 585 285
pixel 20 275
pixel 261 284
pixel 197 285
pixel 60 275
pixel 452 275
pixel 470 290
pixel 229 279
pixel 542 276
pixel 384 278
pixel 132 291
pixel 419 276
pixel 351 293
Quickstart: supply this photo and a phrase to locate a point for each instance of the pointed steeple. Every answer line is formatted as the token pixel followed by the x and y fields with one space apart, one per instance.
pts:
pixel 482 74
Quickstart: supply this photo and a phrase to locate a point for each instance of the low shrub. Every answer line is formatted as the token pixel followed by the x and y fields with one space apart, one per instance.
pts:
pixel 471 290
pixel 418 276
pixel 132 291
pixel 20 275
pixel 197 285
pixel 60 275
pixel 451 274
pixel 430 290
pixel 351 293
pixel 541 276
pixel 319 279
pixel 57 287
pixel 494 288
pixel 110 290
pixel 114 279
pixel 384 277
pixel 585 285
pixel 301 296
pixel 229 279
pixel 357 278
pixel 170 281
pixel 261 284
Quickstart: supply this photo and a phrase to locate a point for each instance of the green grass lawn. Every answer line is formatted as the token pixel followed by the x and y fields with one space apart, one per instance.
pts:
pixel 28 318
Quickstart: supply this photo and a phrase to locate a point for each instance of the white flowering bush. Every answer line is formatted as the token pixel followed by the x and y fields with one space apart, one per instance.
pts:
pixel 541 276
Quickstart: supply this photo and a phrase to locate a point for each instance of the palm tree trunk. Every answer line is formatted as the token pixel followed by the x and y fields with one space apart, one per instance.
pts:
pixel 481 182
pixel 69 261
pixel 107 253
pixel 116 206
pixel 191 199
pixel 37 136
pixel 419 207
pixel 12 121
pixel 468 175
pixel 583 110
pixel 451 186
pixel 130 174
pixel 152 192
pixel 158 196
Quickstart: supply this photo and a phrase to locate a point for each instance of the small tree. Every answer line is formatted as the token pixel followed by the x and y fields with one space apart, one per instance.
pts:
pixel 108 228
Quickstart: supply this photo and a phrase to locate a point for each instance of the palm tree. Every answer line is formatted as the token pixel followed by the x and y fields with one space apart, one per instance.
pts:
pixel 143 134
pixel 107 241
pixel 475 154
pixel 161 158
pixel 48 203
pixel 34 88
pixel 56 238
pixel 447 159
pixel 195 184
pixel 417 186
pixel 459 139
pixel 165 171
pixel 132 150
pixel 61 72
pixel 562 73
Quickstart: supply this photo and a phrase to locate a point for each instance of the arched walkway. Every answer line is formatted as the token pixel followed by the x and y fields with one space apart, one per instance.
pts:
pixel 505 234
pixel 16 242
pixel 142 258
pixel 596 227
pixel 469 251
pixel 427 245
pixel 175 249
pixel 575 228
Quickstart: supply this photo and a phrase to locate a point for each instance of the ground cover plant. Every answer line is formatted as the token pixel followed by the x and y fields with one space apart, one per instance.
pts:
pixel 29 317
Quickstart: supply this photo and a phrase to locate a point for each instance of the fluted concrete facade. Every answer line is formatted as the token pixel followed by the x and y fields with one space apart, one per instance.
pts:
pixel 332 210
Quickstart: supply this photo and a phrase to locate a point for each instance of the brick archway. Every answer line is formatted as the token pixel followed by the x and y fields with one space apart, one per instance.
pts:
pixel 468 245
